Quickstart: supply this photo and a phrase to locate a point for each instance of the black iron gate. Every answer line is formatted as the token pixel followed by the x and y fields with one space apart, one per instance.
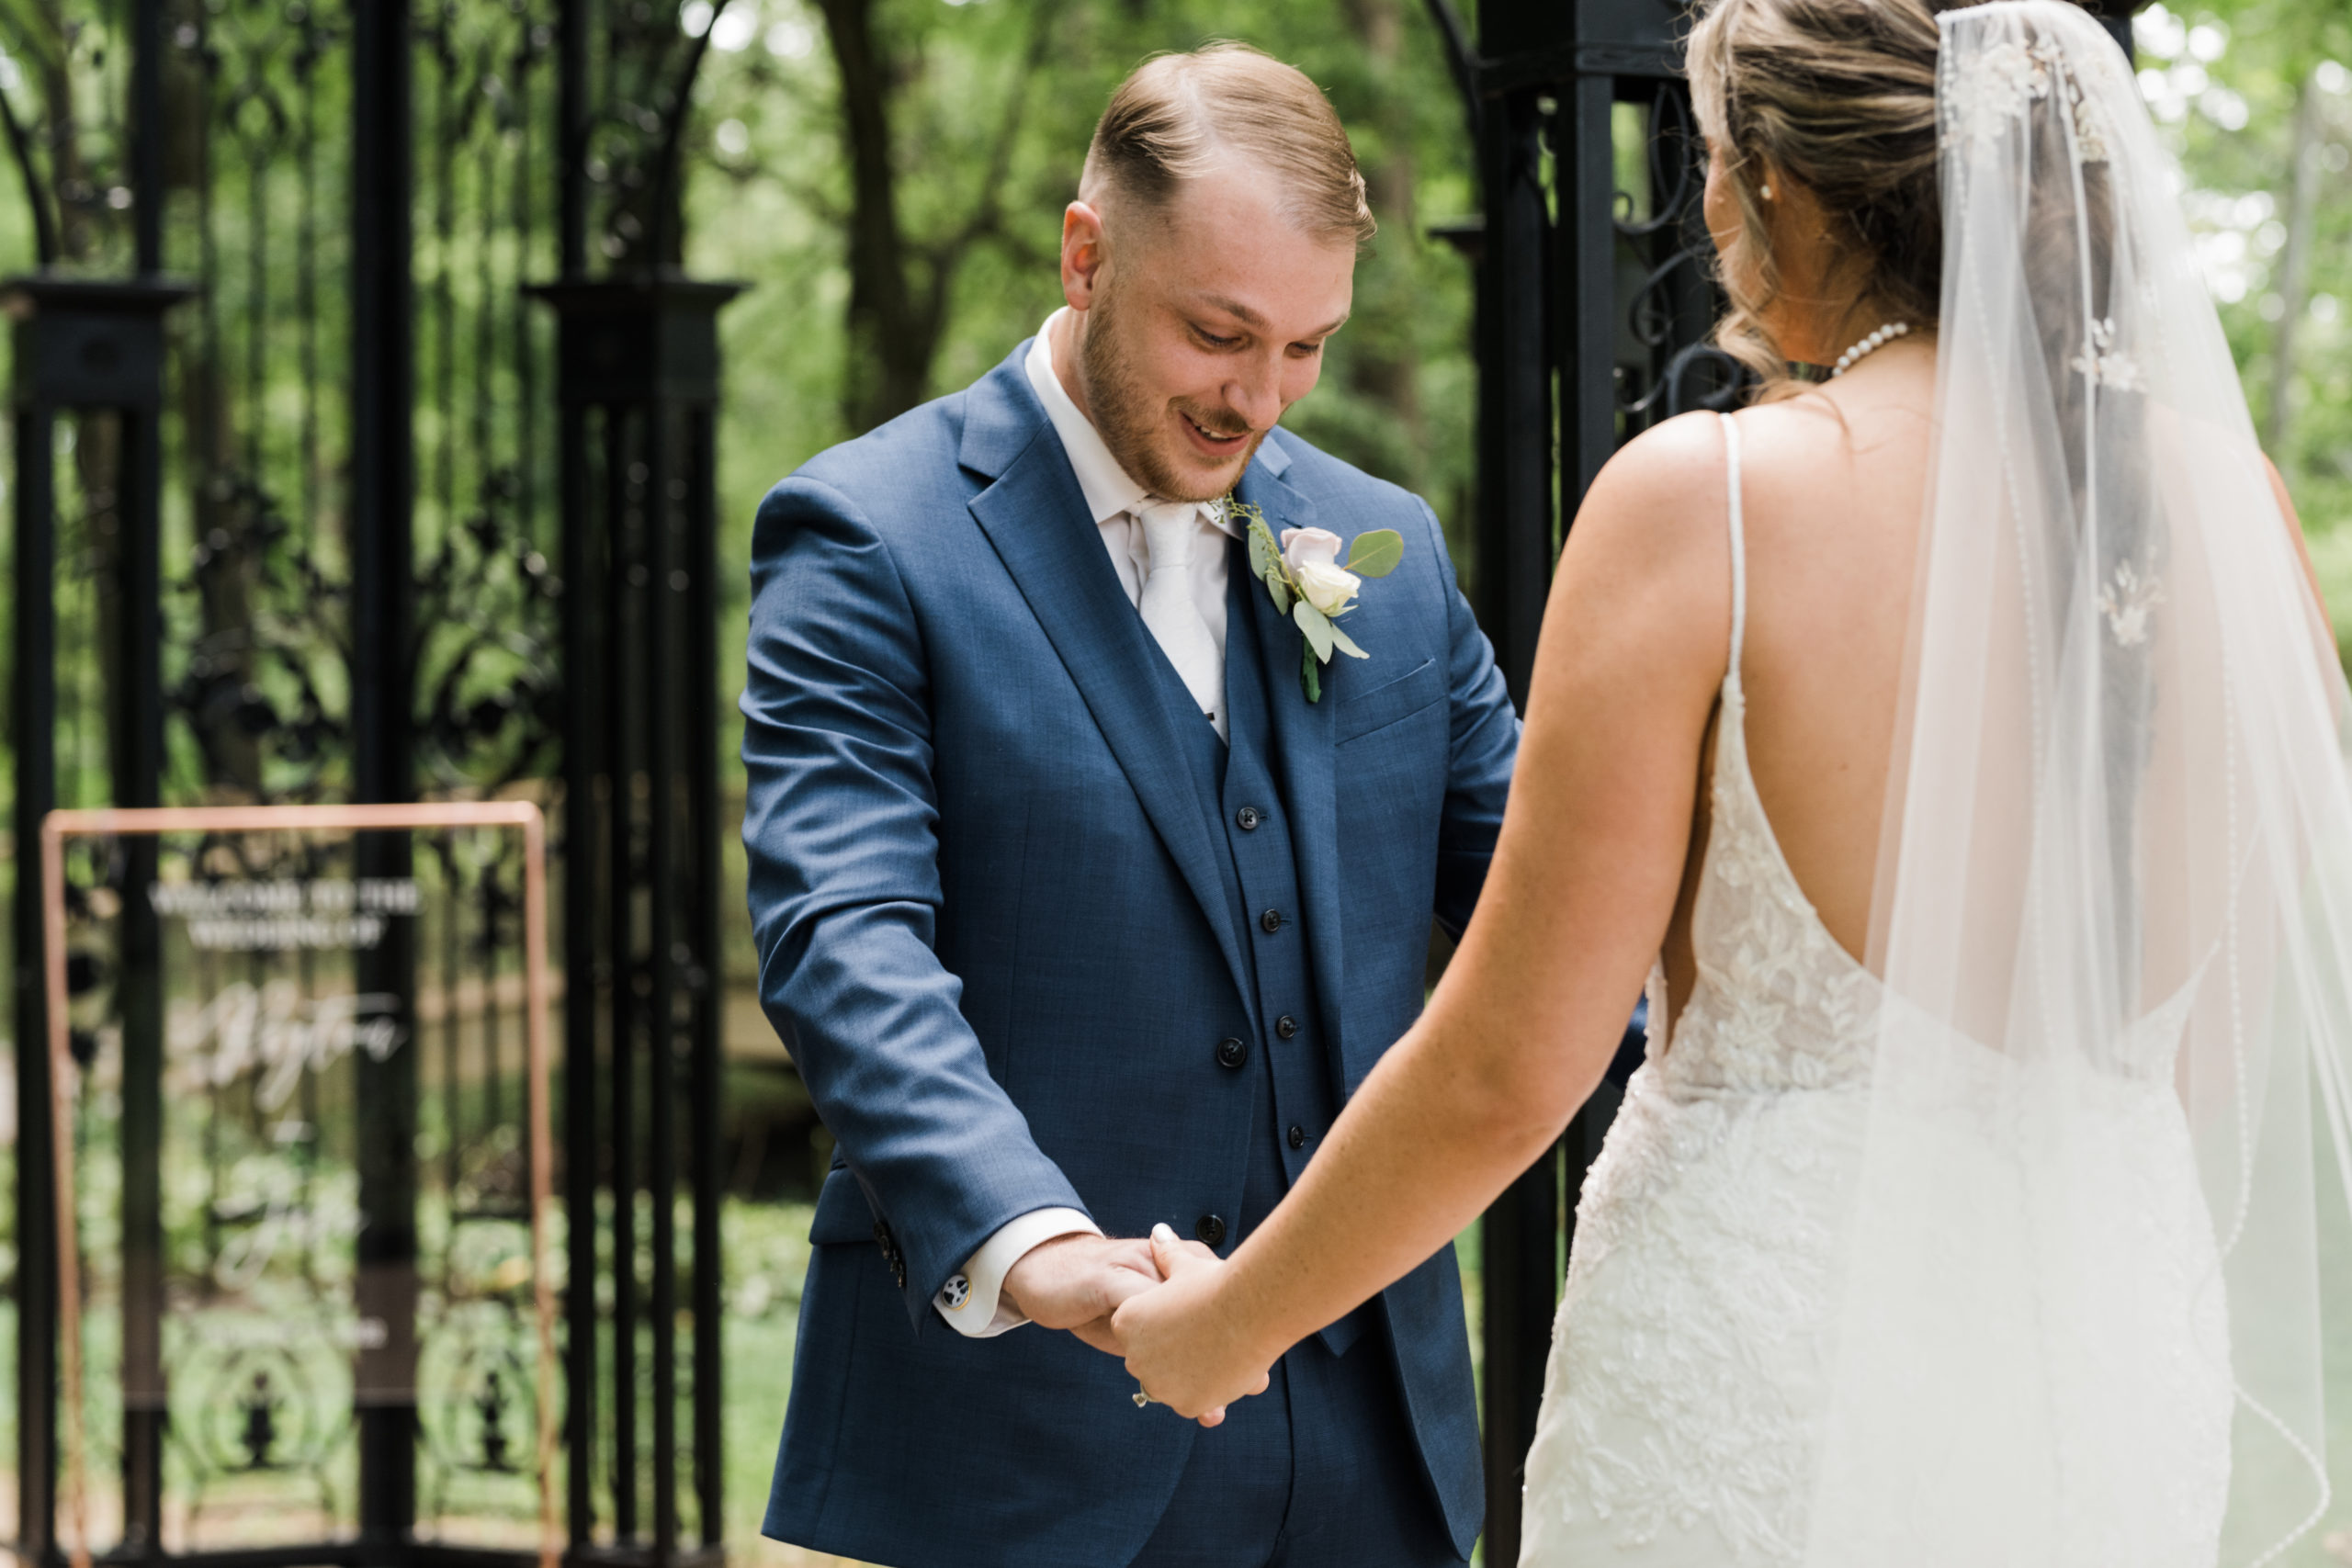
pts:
pixel 349 525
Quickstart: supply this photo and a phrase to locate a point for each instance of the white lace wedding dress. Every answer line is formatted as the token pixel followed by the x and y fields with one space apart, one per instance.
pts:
pixel 1689 1379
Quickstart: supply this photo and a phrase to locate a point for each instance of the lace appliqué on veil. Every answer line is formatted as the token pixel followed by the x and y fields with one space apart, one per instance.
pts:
pixel 2105 364
pixel 1999 85
pixel 2127 600
pixel 1688 1377
pixel 1995 88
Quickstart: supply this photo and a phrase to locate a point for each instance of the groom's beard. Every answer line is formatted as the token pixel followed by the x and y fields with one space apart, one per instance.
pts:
pixel 1128 418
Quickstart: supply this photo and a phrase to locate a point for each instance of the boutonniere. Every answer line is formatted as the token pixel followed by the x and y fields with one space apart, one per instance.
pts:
pixel 1307 583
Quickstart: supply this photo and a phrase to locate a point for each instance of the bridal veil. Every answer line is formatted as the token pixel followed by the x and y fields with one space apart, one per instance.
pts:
pixel 2081 1322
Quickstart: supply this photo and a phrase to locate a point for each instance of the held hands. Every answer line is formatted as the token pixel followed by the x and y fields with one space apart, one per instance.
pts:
pixel 1180 1347
pixel 1077 1282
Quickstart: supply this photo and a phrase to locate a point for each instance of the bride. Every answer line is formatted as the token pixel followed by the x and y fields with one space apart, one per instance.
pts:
pixel 1954 743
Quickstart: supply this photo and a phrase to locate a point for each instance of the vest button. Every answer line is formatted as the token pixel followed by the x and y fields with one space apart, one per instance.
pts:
pixel 1297 1136
pixel 1247 818
pixel 1270 922
pixel 1231 1052
pixel 1286 1026
pixel 1211 1229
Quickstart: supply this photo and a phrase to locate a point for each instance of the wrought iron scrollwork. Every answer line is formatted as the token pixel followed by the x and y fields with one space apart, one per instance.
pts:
pixel 1671 306
pixel 633 148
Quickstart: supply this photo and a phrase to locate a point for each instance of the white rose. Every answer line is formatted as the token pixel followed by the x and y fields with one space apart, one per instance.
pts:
pixel 1313 556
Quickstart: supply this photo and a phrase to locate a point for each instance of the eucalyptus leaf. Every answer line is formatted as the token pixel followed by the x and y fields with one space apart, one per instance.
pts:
pixel 1317 628
pixel 1377 553
pixel 1279 587
pixel 1347 644
pixel 1263 555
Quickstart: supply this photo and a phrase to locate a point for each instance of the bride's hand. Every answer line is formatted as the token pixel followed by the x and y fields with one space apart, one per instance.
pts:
pixel 1182 1346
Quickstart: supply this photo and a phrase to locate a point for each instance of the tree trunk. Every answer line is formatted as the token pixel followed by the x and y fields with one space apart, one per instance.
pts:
pixel 2295 264
pixel 1389 374
pixel 890 339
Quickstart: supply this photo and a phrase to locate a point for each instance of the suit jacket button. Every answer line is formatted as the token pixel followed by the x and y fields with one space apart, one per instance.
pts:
pixel 1297 1137
pixel 1231 1052
pixel 1286 1026
pixel 1247 818
pixel 1211 1229
pixel 1270 922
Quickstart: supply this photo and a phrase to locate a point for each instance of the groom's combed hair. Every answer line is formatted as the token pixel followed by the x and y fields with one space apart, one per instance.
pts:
pixel 1175 113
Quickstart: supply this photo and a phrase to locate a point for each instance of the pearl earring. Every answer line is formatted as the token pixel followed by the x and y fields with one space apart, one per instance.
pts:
pixel 1766 192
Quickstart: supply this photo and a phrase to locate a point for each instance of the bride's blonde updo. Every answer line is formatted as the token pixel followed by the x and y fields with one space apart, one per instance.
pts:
pixel 1838 95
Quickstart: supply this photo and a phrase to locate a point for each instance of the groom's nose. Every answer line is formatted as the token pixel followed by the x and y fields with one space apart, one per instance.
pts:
pixel 1254 393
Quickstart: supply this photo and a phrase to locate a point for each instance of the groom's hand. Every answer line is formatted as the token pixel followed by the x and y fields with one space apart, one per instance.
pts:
pixel 1181 1350
pixel 1077 1282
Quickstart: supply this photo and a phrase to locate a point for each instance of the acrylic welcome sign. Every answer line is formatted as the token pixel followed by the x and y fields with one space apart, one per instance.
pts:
pixel 299 1069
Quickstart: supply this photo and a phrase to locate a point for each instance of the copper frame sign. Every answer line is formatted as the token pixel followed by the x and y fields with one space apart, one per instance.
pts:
pixel 522 817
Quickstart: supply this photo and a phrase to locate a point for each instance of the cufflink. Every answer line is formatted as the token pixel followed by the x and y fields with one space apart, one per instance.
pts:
pixel 957 1295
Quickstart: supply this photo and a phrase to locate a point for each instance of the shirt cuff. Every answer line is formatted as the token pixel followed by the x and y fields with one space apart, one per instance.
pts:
pixel 972 1302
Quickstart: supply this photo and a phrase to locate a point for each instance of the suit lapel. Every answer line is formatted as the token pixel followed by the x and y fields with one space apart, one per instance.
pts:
pixel 1302 758
pixel 1037 518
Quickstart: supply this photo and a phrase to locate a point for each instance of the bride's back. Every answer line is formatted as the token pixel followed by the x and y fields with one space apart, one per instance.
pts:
pixel 1832 484
pixel 1823 199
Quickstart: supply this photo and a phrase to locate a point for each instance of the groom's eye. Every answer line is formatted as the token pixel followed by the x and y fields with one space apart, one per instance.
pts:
pixel 1211 340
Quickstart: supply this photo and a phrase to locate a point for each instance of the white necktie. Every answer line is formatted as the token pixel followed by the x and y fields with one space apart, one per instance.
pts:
pixel 1169 529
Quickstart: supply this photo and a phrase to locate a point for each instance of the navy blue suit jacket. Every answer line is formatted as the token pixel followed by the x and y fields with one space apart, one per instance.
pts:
pixel 992 933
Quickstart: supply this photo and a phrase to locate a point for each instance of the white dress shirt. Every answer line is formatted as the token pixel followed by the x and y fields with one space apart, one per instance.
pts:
pixel 973 1301
pixel 1113 497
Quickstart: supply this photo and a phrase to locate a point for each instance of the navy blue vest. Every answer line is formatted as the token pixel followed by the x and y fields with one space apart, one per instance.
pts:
pixel 1289 1059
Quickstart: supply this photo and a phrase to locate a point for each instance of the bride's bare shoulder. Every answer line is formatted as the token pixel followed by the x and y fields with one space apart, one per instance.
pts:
pixel 1658 500
pixel 1647 565
pixel 1829 432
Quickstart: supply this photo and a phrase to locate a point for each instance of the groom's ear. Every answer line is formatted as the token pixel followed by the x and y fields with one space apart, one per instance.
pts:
pixel 1085 249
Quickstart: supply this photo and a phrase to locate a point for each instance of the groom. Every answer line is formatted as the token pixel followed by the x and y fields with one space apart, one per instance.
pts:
pixel 1078 914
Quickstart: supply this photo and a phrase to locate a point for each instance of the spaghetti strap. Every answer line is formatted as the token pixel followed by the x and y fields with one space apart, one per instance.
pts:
pixel 1738 545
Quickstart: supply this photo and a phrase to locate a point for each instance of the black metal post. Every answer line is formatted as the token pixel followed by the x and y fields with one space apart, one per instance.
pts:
pixel 572 139
pixel 1517 541
pixel 1585 284
pixel 139 775
pixel 91 347
pixel 33 737
pixel 619 683
pixel 137 781
pixel 147 133
pixel 638 376
pixel 588 982
pixel 700 651
pixel 662 960
pixel 383 483
pixel 1515 493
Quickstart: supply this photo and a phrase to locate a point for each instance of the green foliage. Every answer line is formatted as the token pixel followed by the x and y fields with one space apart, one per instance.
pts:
pixel 1317 628
pixel 1377 553
pixel 772 196
pixel 2228 82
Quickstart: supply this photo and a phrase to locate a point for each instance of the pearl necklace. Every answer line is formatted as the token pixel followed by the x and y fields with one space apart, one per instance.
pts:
pixel 1869 346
